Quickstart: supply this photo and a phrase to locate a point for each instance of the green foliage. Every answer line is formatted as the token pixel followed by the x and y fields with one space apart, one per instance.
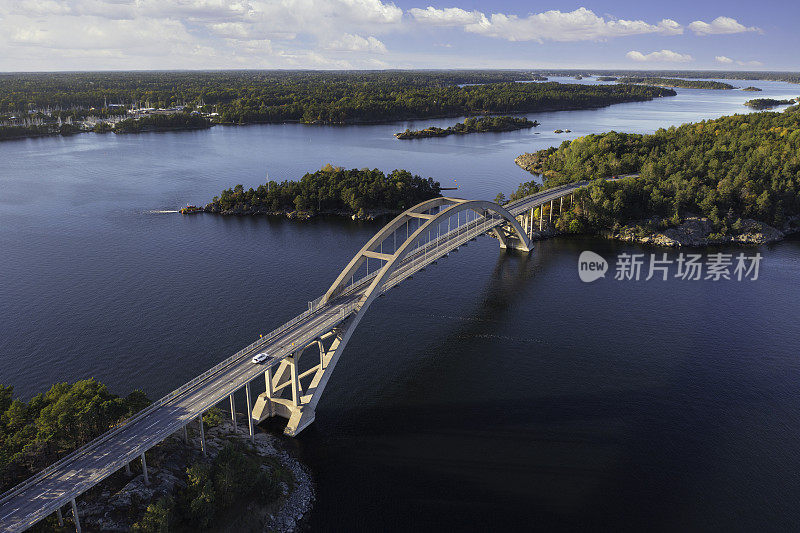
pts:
pixel 37 433
pixel 212 417
pixel 331 189
pixel 312 97
pixel 236 474
pixel 677 82
pixel 742 166
pixel 767 103
pixel 173 121
pixel 158 518
pixel 471 125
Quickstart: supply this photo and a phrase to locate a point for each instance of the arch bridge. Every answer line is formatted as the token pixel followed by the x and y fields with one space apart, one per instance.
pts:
pixel 409 243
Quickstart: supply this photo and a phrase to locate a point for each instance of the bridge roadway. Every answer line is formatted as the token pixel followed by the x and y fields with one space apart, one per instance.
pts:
pixel 56 486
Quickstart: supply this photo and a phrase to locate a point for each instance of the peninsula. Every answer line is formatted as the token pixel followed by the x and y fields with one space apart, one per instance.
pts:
pixel 359 194
pixel 102 101
pixel 670 202
pixel 677 82
pixel 471 125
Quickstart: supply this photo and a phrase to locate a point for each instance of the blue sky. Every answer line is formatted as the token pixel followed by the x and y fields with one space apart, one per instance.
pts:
pixel 370 34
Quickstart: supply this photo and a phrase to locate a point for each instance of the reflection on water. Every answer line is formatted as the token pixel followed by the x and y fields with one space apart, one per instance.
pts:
pixel 492 390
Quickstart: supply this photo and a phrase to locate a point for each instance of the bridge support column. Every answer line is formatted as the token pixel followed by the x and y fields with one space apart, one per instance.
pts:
pixel 202 434
pixel 233 414
pixel 144 470
pixel 530 227
pixel 185 434
pixel 127 469
pixel 268 381
pixel 561 206
pixel 541 216
pixel 551 211
pixel 249 410
pixel 75 516
pixel 59 517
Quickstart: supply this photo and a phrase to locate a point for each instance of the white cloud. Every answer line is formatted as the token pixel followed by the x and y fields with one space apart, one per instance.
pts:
pixel 728 61
pixel 449 16
pixel 664 56
pixel 36 34
pixel 355 43
pixel 579 25
pixel 720 26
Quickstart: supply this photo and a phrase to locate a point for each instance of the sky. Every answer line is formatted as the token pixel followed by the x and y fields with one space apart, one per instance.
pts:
pixel 47 35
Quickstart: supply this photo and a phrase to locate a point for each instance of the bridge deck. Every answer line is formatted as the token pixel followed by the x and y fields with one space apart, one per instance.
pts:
pixel 41 495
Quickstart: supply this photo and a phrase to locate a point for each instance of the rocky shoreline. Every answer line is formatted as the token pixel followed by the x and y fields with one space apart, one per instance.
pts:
pixel 117 502
pixel 363 214
pixel 693 232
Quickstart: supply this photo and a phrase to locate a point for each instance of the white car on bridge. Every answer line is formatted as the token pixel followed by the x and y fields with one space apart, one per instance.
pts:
pixel 260 358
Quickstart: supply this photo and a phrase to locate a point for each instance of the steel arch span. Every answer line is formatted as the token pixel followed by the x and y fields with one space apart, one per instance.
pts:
pixel 427 219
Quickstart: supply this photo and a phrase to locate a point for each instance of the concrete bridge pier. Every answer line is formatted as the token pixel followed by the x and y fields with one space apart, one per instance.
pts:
pixel 249 410
pixel 202 434
pixel 144 470
pixel 75 516
pixel 233 414
pixel 60 517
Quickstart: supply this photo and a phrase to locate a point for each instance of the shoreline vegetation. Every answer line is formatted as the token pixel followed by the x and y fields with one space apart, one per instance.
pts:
pixel 187 491
pixel 82 99
pixel 769 103
pixel 361 194
pixel 471 125
pixel 676 82
pixel 729 180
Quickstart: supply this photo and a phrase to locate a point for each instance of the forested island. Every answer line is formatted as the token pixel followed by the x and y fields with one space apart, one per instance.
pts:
pixel 767 103
pixel 471 125
pixel 677 82
pixel 607 78
pixel 188 490
pixel 175 121
pixel 357 193
pixel 752 89
pixel 735 177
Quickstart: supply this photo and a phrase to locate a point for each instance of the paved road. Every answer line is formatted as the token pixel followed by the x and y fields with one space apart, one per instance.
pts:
pixel 24 506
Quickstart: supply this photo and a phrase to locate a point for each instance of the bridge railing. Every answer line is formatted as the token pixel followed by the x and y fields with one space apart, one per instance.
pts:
pixel 152 407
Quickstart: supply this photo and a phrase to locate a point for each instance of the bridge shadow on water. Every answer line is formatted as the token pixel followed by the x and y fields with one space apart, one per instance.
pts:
pixel 479 420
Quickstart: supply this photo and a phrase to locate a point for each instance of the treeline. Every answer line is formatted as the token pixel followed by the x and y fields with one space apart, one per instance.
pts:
pixel 21 132
pixel 35 434
pixel 210 489
pixel 676 82
pixel 791 77
pixel 82 90
pixel 313 97
pixel 471 125
pixel 767 103
pixel 331 189
pixel 741 166
pixel 174 121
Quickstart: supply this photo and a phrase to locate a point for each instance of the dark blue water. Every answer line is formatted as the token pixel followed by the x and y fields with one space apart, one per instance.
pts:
pixel 490 391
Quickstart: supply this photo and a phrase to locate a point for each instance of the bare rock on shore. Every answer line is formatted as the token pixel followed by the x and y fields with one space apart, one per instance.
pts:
pixel 114 504
pixel 698 232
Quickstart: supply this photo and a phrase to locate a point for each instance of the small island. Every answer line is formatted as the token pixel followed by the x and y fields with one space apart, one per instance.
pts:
pixel 751 88
pixel 677 82
pixel 171 122
pixel 768 103
pixel 355 193
pixel 607 78
pixel 471 125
